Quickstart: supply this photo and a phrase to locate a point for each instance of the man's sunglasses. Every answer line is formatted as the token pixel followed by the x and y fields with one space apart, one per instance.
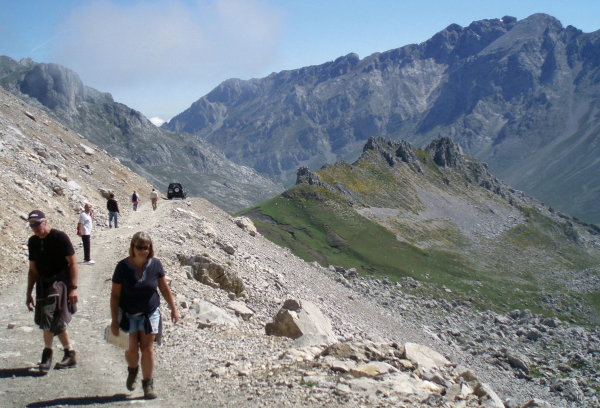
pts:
pixel 35 224
pixel 142 247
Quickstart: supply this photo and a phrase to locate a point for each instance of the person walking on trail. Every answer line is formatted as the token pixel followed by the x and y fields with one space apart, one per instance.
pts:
pixel 135 200
pixel 84 230
pixel 134 308
pixel 53 271
pixel 154 198
pixel 113 211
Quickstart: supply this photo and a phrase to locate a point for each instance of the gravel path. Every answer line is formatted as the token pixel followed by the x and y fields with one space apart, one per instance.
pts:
pixel 100 375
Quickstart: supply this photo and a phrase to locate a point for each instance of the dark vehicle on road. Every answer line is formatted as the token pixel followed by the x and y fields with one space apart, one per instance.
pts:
pixel 176 190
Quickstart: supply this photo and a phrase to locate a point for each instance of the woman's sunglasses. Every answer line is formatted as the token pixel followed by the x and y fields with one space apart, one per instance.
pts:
pixel 142 247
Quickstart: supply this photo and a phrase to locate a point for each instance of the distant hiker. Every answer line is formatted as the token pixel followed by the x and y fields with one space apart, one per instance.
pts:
pixel 154 198
pixel 53 271
pixel 84 230
pixel 135 200
pixel 134 307
pixel 113 211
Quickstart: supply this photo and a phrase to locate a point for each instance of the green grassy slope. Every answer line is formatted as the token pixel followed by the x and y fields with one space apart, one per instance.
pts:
pixel 322 224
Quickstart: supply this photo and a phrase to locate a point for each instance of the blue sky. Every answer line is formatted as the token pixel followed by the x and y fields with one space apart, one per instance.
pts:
pixel 159 56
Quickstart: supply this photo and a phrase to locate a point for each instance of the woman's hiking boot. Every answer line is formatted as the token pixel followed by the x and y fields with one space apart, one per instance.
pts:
pixel 46 362
pixel 68 360
pixel 148 387
pixel 131 377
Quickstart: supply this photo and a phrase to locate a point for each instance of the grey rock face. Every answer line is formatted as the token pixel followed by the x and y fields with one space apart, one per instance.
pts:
pixel 445 153
pixel 394 152
pixel 305 176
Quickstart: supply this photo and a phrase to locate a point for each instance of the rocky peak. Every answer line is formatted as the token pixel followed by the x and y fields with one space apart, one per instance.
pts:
pixel 394 152
pixel 461 42
pixel 446 153
pixel 532 28
pixel 305 176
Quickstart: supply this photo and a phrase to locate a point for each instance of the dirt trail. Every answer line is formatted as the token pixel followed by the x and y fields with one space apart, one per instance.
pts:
pixel 99 379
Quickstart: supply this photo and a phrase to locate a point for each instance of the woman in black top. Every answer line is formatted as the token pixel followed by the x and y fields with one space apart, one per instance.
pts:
pixel 134 306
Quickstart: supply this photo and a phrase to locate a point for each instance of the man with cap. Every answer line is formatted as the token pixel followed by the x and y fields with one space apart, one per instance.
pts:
pixel 84 230
pixel 53 271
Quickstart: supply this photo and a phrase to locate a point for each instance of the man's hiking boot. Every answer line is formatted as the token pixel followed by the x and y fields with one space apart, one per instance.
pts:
pixel 131 377
pixel 148 387
pixel 46 360
pixel 68 360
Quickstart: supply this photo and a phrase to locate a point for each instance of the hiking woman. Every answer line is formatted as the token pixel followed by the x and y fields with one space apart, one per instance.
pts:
pixel 134 307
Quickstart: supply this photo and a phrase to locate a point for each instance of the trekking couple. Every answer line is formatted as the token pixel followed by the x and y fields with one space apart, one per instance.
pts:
pixel 135 199
pixel 134 299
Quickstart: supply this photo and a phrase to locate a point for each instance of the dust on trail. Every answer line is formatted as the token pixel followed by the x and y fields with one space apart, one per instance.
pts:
pixel 99 379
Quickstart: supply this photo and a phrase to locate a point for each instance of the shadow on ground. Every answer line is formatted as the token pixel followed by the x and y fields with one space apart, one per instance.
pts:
pixel 78 401
pixel 20 372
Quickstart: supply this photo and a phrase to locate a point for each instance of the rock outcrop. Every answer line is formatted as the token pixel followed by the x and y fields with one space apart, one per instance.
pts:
pixel 302 321
pixel 204 269
pixel 394 152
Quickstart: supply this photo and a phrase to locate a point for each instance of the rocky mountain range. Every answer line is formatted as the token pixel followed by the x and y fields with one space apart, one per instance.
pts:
pixel 521 95
pixel 259 326
pixel 158 155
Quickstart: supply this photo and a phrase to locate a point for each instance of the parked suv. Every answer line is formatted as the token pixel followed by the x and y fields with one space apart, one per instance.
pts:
pixel 176 190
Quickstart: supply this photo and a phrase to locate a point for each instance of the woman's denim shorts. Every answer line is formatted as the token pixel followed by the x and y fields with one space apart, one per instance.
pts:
pixel 136 322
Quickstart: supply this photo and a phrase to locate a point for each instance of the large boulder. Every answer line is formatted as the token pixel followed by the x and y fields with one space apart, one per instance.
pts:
pixel 208 314
pixel 423 356
pixel 246 224
pixel 212 273
pixel 302 321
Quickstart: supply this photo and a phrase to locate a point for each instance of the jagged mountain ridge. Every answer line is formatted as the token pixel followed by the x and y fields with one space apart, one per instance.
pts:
pixel 159 155
pixel 439 216
pixel 522 96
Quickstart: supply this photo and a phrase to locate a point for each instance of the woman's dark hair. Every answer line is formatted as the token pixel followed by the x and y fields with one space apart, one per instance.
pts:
pixel 138 238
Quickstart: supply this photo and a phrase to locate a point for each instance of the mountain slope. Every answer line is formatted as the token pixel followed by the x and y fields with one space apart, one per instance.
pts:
pixel 512 357
pixel 440 217
pixel 521 95
pixel 159 155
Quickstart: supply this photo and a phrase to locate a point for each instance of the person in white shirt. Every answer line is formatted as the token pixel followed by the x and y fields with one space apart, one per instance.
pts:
pixel 84 230
pixel 154 198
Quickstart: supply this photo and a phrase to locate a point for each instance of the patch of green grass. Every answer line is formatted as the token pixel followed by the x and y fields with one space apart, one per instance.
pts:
pixel 593 299
pixel 306 383
pixel 535 372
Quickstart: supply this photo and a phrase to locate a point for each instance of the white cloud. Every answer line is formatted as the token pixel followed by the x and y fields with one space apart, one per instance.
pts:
pixel 156 121
pixel 113 45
